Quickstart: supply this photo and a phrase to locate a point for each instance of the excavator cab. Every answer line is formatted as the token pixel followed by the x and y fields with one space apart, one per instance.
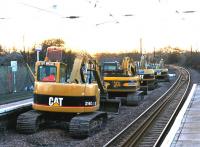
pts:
pixel 52 69
pixel 111 66
pixel 111 69
pixel 51 73
pixel 46 73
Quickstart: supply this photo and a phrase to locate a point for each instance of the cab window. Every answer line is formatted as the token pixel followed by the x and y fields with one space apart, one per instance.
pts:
pixel 47 73
pixel 110 67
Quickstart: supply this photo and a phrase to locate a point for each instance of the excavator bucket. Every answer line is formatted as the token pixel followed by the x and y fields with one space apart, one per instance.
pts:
pixel 107 105
pixel 110 105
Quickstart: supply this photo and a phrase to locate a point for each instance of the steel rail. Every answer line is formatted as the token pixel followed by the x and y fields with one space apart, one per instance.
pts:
pixel 161 117
pixel 136 138
pixel 173 117
pixel 118 140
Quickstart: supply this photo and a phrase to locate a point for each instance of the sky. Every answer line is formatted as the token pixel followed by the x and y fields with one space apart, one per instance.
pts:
pixel 102 25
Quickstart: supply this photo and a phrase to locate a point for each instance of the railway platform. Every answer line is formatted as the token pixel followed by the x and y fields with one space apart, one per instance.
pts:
pixel 14 102
pixel 14 97
pixel 186 128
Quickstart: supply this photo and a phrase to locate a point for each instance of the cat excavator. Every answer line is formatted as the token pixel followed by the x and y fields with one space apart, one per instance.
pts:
pixel 74 99
pixel 122 81
pixel 148 80
pixel 161 73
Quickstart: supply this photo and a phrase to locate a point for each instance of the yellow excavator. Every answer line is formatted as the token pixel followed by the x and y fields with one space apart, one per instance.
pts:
pixel 161 72
pixel 148 80
pixel 63 97
pixel 122 81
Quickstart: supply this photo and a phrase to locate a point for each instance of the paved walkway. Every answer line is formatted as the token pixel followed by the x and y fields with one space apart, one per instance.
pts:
pixel 5 108
pixel 11 102
pixel 185 131
pixel 14 97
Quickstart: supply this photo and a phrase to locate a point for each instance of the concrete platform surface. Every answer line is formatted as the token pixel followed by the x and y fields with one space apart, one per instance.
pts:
pixel 185 131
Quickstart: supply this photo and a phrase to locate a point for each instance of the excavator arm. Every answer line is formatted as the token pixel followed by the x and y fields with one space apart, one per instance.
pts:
pixel 106 104
pixel 128 66
pixel 79 69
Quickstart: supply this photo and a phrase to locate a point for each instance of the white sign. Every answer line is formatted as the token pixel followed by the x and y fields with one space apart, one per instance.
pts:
pixel 13 65
pixel 38 48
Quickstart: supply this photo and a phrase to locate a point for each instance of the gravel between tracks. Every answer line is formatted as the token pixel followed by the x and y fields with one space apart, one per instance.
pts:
pixel 58 137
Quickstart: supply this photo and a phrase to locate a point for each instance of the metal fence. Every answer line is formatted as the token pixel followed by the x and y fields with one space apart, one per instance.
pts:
pixel 22 78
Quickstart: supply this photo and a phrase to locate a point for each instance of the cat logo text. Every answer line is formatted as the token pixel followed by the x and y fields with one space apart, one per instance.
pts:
pixel 57 101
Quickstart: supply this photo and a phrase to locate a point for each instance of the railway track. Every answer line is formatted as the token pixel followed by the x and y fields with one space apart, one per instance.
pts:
pixel 152 125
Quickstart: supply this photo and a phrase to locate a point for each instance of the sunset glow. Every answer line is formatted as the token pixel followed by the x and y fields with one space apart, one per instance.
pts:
pixel 103 25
